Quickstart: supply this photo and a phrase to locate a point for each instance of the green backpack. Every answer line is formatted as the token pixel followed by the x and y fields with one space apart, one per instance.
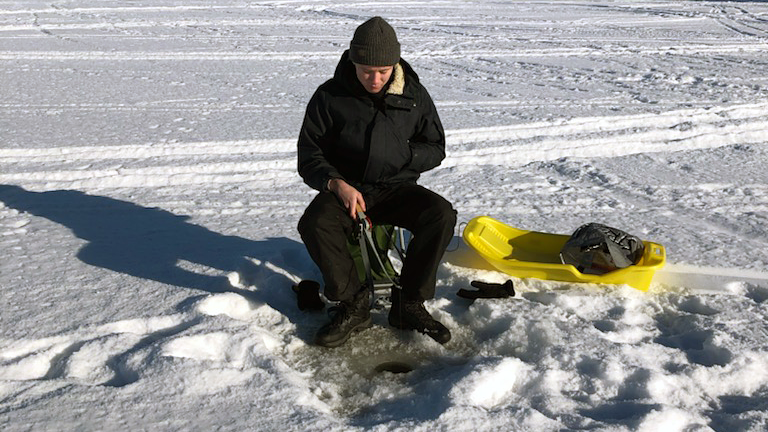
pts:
pixel 382 271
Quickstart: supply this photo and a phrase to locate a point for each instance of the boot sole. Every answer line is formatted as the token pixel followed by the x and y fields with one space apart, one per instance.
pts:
pixel 356 329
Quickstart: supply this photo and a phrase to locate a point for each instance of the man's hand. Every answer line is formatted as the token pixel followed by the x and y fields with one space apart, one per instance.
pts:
pixel 349 196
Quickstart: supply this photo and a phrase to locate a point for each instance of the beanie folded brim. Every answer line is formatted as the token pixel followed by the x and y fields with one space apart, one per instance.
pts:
pixel 368 55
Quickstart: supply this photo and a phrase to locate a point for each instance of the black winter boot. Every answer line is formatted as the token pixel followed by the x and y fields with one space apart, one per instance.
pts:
pixel 350 317
pixel 411 315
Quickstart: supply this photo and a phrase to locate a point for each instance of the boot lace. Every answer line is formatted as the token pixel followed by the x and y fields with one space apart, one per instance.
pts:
pixel 419 314
pixel 339 314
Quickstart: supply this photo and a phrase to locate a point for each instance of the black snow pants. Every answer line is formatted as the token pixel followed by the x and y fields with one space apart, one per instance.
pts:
pixel 326 226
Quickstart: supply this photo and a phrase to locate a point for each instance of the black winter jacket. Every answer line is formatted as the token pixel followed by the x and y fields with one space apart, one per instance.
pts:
pixel 366 140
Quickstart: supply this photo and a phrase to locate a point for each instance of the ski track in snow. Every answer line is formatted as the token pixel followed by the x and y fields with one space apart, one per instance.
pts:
pixel 648 116
pixel 502 145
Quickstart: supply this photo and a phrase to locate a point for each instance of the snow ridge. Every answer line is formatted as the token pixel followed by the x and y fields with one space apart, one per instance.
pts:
pixel 610 136
pixel 513 145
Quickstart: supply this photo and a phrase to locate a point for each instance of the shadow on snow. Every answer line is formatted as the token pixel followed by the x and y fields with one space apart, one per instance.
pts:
pixel 150 243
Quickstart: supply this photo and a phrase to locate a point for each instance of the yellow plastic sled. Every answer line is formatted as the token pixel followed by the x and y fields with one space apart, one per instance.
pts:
pixel 531 254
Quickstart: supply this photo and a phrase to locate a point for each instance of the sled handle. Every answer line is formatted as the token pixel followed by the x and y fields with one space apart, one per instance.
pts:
pixel 655 254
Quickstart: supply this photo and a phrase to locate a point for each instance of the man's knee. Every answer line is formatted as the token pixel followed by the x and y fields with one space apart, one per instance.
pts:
pixel 442 212
pixel 448 213
pixel 322 212
pixel 305 225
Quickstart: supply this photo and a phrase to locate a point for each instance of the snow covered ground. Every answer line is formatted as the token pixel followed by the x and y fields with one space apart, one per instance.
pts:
pixel 148 203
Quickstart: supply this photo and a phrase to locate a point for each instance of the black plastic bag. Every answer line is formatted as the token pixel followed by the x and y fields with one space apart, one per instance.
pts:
pixel 598 249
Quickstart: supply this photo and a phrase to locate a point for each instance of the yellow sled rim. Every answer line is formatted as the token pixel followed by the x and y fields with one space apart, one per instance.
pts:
pixel 531 254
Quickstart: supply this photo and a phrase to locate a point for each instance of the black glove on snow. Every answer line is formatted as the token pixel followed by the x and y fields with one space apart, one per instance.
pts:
pixel 308 295
pixel 488 290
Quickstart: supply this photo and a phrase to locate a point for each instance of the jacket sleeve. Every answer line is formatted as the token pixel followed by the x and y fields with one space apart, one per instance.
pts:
pixel 428 144
pixel 313 166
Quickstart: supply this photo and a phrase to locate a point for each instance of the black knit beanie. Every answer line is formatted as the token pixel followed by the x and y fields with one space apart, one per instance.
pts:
pixel 375 44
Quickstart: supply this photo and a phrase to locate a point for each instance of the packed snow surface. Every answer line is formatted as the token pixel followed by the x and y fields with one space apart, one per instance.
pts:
pixel 149 199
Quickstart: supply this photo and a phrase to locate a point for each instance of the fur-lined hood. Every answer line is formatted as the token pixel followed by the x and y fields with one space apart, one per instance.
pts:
pixel 402 76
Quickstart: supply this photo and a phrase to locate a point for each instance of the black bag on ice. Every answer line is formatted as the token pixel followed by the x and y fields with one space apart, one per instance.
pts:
pixel 597 249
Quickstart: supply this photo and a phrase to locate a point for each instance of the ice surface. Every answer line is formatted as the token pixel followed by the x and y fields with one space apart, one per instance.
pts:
pixel 149 199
